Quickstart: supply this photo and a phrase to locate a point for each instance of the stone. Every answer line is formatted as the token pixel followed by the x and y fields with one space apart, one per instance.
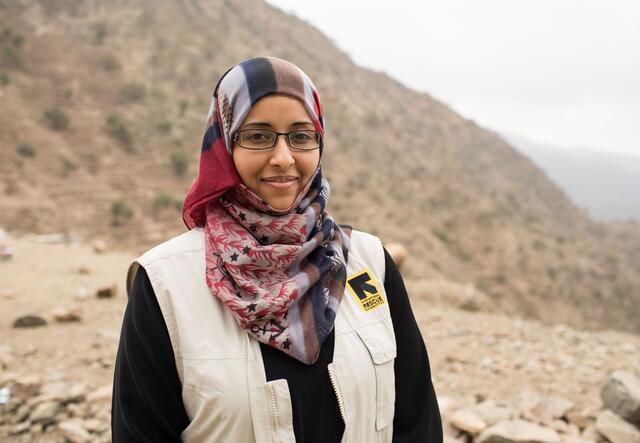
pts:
pixel 67 314
pixel 578 418
pixel 82 294
pixel 518 431
pixel 107 292
pixel 45 412
pixel 100 394
pixel 26 387
pixel 94 425
pixel 616 429
pixel 445 404
pixel 20 428
pixel 466 420
pixel 84 270
pixel 74 431
pixel 29 321
pixel 492 413
pixel 621 394
pixel 397 252
pixel 99 246
pixel 574 439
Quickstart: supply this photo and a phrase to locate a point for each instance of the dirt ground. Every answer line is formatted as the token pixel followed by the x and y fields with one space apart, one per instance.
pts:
pixel 473 355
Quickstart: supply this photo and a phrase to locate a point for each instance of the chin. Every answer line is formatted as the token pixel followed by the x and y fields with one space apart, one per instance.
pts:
pixel 280 203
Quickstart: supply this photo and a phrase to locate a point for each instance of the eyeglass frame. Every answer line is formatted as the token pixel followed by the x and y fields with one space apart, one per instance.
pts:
pixel 236 137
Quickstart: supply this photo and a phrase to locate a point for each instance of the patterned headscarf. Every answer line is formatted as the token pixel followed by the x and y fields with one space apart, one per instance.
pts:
pixel 281 272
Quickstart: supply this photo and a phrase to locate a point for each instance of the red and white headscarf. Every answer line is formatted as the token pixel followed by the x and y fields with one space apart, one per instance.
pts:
pixel 282 273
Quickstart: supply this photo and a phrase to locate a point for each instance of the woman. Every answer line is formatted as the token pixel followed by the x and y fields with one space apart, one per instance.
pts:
pixel 267 321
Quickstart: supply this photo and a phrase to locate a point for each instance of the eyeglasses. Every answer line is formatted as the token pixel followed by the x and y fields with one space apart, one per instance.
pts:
pixel 263 139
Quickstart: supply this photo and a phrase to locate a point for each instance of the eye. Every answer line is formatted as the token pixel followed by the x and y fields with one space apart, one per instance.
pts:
pixel 301 137
pixel 256 136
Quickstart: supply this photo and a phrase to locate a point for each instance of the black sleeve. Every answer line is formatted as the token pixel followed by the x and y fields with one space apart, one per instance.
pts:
pixel 147 401
pixel 417 416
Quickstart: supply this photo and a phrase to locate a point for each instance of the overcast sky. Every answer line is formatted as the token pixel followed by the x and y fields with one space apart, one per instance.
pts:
pixel 563 72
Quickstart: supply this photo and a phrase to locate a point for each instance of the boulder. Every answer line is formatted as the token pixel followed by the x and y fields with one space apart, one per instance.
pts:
pixel 45 413
pixel 107 292
pixel 29 321
pixel 467 420
pixel 74 431
pixel 518 431
pixel 615 429
pixel 621 394
pixel 67 314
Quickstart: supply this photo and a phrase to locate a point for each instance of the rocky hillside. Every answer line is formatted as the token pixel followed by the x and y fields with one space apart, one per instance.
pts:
pixel 104 106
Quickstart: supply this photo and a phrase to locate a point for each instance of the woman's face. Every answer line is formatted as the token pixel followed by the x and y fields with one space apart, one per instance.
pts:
pixel 259 170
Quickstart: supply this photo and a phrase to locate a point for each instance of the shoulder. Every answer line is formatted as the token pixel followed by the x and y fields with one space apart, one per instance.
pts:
pixel 190 241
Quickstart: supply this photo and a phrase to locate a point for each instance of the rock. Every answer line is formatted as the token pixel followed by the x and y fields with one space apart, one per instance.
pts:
pixel 82 293
pixel 67 315
pixel 100 394
pixel 397 252
pixel 557 406
pixel 445 404
pixel 578 418
pixel 84 270
pixel 616 429
pixel 26 387
pixel 64 392
pixel 20 428
pixel 6 357
pixel 99 246
pixel 492 413
pixel 107 292
pixel 467 420
pixel 29 321
pixel 574 439
pixel 45 413
pixel 74 431
pixel 621 394
pixel 518 431
pixel 94 425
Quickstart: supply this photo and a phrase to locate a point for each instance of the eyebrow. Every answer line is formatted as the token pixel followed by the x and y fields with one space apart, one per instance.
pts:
pixel 268 125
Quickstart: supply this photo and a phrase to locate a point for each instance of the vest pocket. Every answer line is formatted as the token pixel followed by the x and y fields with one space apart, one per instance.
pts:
pixel 380 342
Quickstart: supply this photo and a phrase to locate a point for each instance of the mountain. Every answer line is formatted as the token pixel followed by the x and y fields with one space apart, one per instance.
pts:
pixel 605 183
pixel 103 108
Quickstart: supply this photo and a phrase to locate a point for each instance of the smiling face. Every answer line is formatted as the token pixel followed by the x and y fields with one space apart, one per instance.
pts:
pixel 277 175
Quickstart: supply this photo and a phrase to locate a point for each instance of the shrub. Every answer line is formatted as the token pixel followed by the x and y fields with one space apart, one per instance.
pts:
pixel 109 63
pixel 10 57
pixel 4 79
pixel 179 163
pixel 58 119
pixel 67 166
pixel 162 200
pixel 164 126
pixel 132 92
pixel 120 212
pixel 100 31
pixel 26 150
pixel 119 129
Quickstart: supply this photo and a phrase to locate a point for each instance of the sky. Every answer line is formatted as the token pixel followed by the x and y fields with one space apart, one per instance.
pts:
pixel 560 72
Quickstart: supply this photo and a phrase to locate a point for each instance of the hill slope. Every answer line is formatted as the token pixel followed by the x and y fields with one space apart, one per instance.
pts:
pixel 134 79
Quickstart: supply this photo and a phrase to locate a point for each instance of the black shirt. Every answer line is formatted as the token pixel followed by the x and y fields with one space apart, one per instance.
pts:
pixel 147 395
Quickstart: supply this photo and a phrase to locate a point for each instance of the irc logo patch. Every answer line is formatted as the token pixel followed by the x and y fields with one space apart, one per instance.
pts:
pixel 365 290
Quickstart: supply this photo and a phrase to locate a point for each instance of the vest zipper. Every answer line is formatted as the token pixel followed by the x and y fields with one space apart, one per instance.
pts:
pixel 332 377
pixel 274 414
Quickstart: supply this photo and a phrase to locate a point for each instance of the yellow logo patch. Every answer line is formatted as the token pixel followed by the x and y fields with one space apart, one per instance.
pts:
pixel 365 290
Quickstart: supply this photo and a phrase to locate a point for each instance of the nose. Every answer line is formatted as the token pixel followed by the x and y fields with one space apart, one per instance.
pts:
pixel 281 154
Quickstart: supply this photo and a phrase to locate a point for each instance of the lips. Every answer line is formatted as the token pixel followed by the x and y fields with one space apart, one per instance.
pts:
pixel 280 179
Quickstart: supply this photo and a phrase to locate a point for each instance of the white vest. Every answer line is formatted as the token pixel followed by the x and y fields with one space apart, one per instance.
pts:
pixel 224 387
